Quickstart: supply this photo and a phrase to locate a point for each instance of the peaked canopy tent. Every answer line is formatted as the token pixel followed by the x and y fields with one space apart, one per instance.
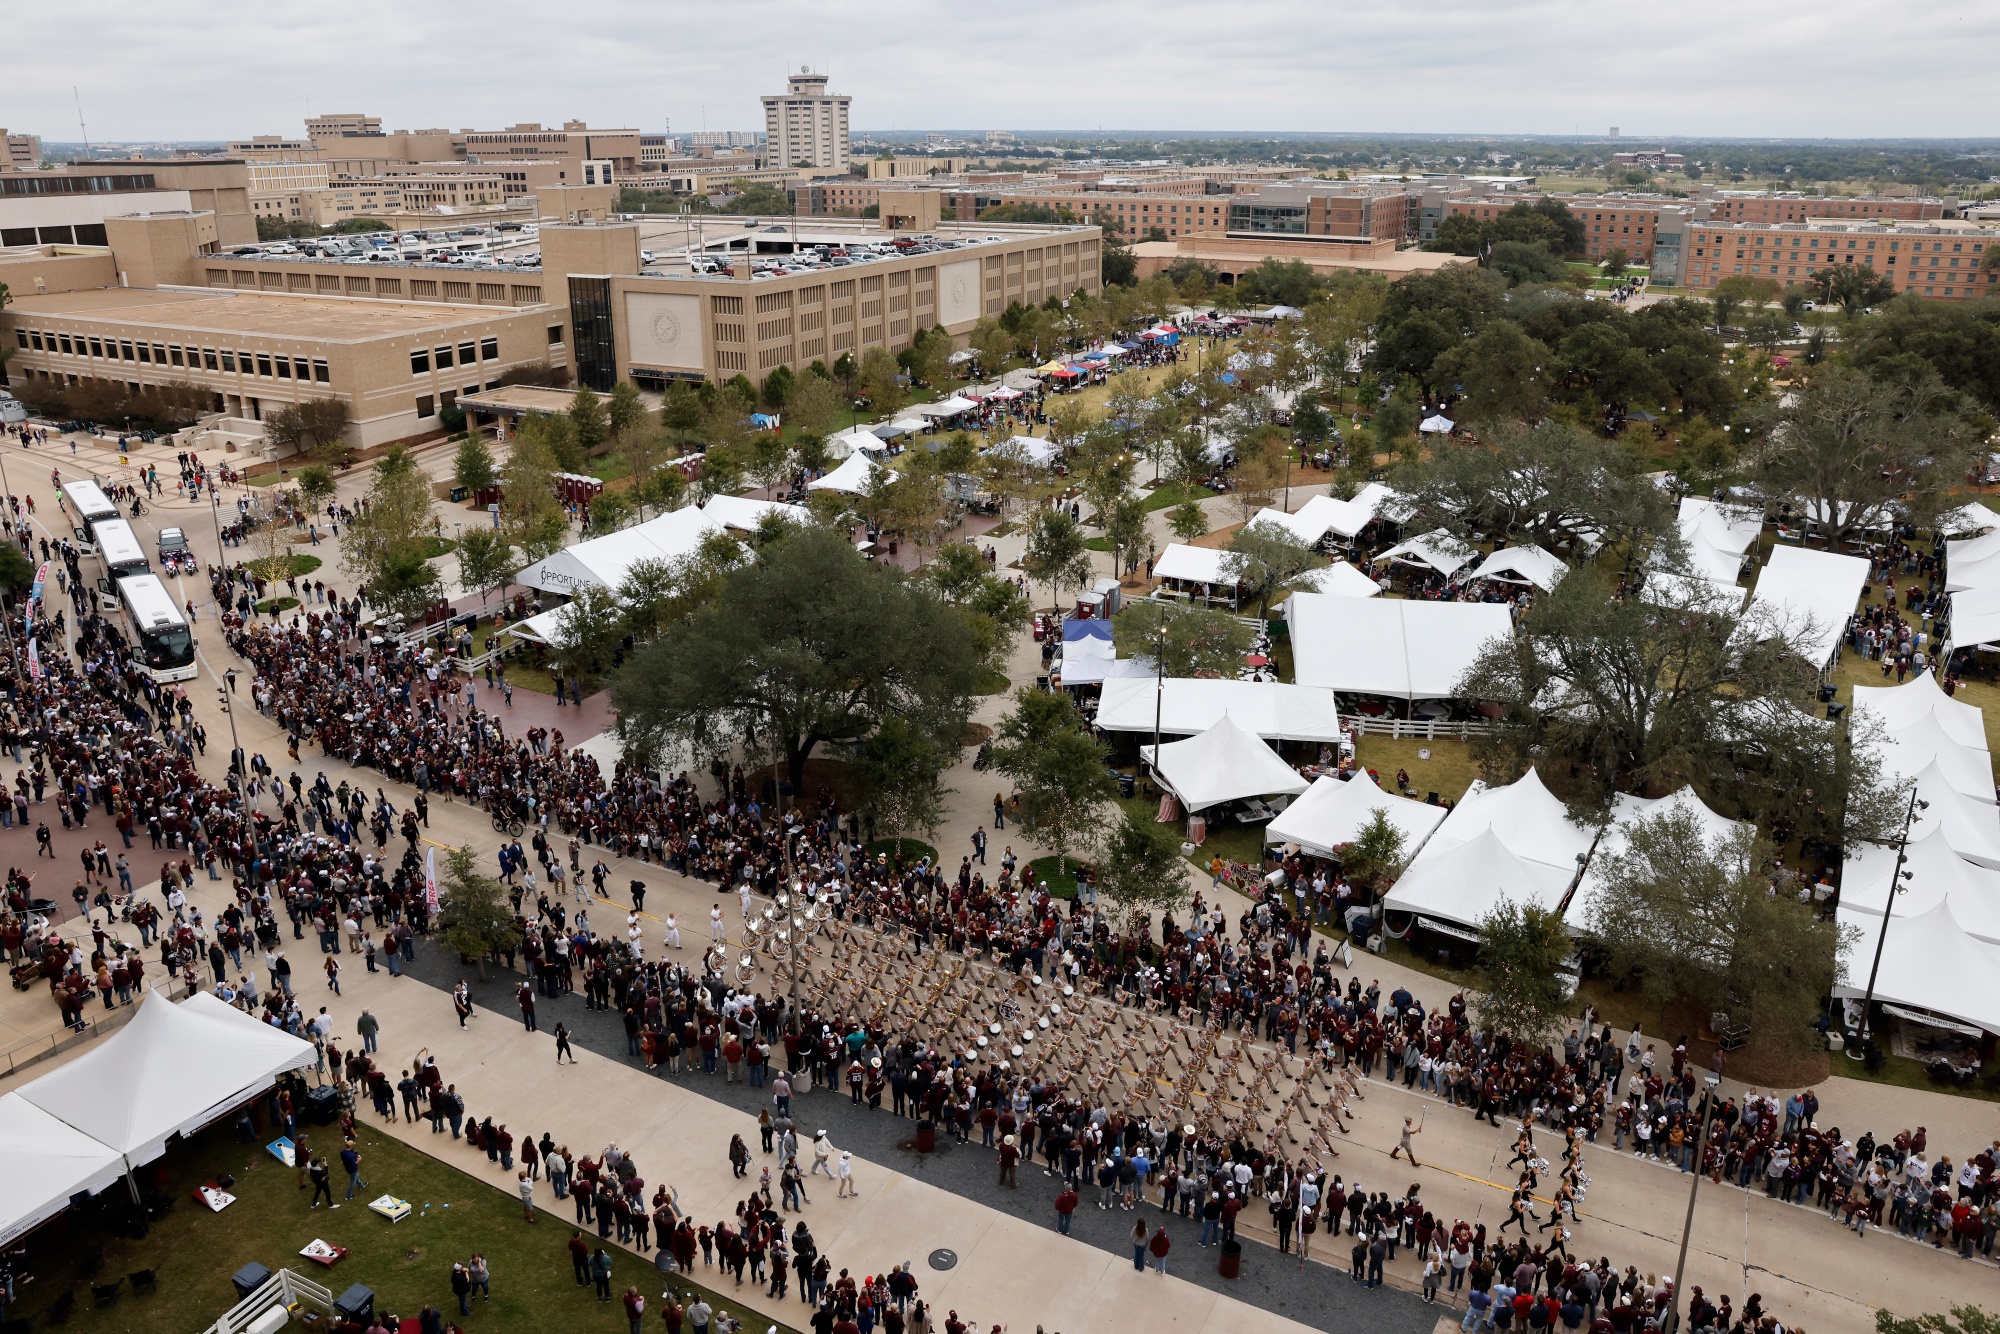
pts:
pixel 1436 550
pixel 1919 698
pixel 48 1163
pixel 1809 597
pixel 1195 565
pixel 1694 591
pixel 1972 518
pixel 854 476
pixel 950 407
pixel 1930 964
pixel 1437 424
pixel 1933 874
pixel 1030 449
pixel 1088 661
pixel 1460 883
pixel 1223 764
pixel 1335 811
pixel 1925 745
pixel 1625 810
pixel 170 1070
pixel 1975 618
pixel 859 440
pixel 1731 528
pixel 1972 563
pixel 1971 827
pixel 1339 579
pixel 1522 565
pixel 603 562
pixel 543 627
pixel 1390 646
pixel 1268 709
pixel 744 514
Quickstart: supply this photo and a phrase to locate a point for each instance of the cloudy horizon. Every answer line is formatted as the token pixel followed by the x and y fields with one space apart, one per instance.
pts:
pixel 1853 69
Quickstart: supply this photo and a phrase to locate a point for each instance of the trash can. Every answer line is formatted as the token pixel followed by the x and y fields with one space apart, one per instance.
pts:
pixel 1231 1263
pixel 250 1278
pixel 356 1304
pixel 926 1137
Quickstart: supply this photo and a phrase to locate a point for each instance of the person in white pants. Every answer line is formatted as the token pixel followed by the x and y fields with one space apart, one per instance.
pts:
pixel 673 932
pixel 716 930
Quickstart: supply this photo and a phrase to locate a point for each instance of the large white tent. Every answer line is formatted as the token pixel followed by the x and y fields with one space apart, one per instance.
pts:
pixel 1334 811
pixel 543 626
pixel 1921 697
pixel 1975 617
pixel 1223 764
pixel 860 440
pixel 1522 830
pixel 1715 830
pixel 1932 873
pixel 170 1070
pixel 854 476
pixel 1972 518
pixel 1272 710
pixel 1029 449
pixel 48 1163
pixel 1971 826
pixel 1522 565
pixel 1929 963
pixel 1324 515
pixel 744 513
pixel 605 561
pixel 1390 646
pixel 1195 565
pixel 1807 596
pixel 1436 550
pixel 1089 661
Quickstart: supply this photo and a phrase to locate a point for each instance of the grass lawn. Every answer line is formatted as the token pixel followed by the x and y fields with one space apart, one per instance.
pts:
pixel 1231 841
pixel 303 565
pixel 1061 884
pixel 407 1263
pixel 439 546
pixel 270 605
pixel 1097 544
pixel 1448 772
pixel 1172 494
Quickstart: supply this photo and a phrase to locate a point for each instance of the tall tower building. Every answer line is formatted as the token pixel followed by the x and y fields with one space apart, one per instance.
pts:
pixel 806 126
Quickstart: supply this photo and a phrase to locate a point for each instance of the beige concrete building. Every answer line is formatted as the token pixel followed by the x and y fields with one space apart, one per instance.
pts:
pixel 660 325
pixel 902 168
pixel 1941 259
pixel 20 152
pixel 574 147
pixel 396 343
pixel 805 126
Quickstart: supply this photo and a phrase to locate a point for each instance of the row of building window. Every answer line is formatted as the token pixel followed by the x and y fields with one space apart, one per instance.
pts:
pixel 270 365
pixel 424 360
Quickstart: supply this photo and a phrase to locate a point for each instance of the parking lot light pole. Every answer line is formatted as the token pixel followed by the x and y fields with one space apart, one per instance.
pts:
pixel 1694 1184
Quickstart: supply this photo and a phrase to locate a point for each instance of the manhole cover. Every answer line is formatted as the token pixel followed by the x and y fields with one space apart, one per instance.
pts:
pixel 943 1259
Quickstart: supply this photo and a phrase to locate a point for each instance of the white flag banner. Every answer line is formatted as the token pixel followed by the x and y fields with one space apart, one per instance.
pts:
pixel 431 879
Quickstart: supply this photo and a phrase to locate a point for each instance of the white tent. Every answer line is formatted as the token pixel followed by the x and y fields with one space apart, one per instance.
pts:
pixel 170 1070
pixel 1195 565
pixel 1339 579
pixel 950 407
pixel 1932 873
pixel 1714 829
pixel 48 1162
pixel 1973 563
pixel 1971 826
pixel 1808 596
pixel 1223 764
pixel 1268 709
pixel 605 561
pixel 1921 697
pixel 744 513
pixel 1040 453
pixel 1693 591
pixel 1323 515
pixel 1458 884
pixel 1436 550
pixel 1925 745
pixel 1390 646
pixel 854 476
pixel 1972 518
pixel 859 440
pixel 1301 525
pixel 1437 424
pixel 1975 617
pixel 1335 811
pixel 1529 818
pixel 1929 963
pixel 1731 528
pixel 1090 661
pixel 1522 565
pixel 543 627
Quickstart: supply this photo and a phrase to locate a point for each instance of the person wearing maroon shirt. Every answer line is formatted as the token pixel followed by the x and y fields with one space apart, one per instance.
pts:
pixel 1159 1246
pixel 635 1309
pixel 1065 1209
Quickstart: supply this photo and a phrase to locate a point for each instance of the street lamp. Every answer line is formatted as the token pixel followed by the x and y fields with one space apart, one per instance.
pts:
pixel 243 802
pixel 1711 1079
pixel 1860 1048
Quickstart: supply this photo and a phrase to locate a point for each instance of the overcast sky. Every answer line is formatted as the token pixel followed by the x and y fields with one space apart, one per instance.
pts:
pixel 201 70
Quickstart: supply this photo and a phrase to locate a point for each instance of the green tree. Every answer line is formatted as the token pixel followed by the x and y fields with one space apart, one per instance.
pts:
pixel 626 411
pixel 587 637
pixel 1694 919
pixel 682 409
pixel 1960 342
pixel 810 645
pixel 386 545
pixel 310 427
pixel 316 486
pixel 1614 262
pixel 1187 641
pixel 1853 287
pixel 1058 770
pixel 759 199
pixel 1971 1320
pixel 475 921
pixel 1525 262
pixel 1523 954
pixel 1188 520
pixel 878 374
pixel 1374 858
pixel 1268 559
pixel 1124 522
pixel 590 422
pixel 1140 870
pixel 1505 375
pixel 995 609
pixel 1055 556
pixel 899 768
pixel 485 561
pixel 472 467
pixel 1555 484
pixel 813 404
pixel 1862 453
pixel 531 516
pixel 776 388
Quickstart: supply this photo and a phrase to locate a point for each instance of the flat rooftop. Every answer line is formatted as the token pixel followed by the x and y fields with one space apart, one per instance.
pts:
pixel 329 319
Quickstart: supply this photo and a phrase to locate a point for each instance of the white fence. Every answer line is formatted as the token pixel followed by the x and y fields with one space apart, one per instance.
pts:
pixel 1419 729
pixel 283 1288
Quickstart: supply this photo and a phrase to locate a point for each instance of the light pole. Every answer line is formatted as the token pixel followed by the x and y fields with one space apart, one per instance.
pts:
pixel 243 802
pixel 1860 1048
pixel 1694 1184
